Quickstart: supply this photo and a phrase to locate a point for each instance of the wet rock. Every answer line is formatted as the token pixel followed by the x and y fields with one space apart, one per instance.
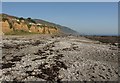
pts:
pixel 16 58
pixel 7 65
pixel 37 42
pixel 40 52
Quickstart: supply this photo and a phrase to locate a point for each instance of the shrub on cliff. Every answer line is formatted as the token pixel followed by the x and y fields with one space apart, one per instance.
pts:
pixel 40 26
pixel 18 22
pixel 31 20
pixel 29 26
pixel 53 27
pixel 10 24
pixel 21 18
pixel 4 19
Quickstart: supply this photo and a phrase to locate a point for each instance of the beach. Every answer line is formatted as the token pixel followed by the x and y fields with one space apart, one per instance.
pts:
pixel 57 58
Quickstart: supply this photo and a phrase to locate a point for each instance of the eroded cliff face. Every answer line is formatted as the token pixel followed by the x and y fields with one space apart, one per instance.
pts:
pixel 6 27
pixel 23 26
pixel 33 29
pixel 40 30
pixel 53 30
pixel 1 29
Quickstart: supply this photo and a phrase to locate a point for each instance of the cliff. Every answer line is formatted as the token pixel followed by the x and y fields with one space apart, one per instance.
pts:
pixel 12 24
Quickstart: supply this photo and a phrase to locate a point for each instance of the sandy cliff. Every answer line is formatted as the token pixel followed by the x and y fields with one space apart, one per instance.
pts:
pixel 12 24
pixel 6 27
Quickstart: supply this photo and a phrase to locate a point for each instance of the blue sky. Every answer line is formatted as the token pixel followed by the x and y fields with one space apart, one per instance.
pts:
pixel 100 18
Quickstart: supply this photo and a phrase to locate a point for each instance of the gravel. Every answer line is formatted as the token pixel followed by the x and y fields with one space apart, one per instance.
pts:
pixel 45 58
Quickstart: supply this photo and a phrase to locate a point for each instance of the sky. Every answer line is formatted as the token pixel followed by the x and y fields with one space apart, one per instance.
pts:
pixel 90 18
